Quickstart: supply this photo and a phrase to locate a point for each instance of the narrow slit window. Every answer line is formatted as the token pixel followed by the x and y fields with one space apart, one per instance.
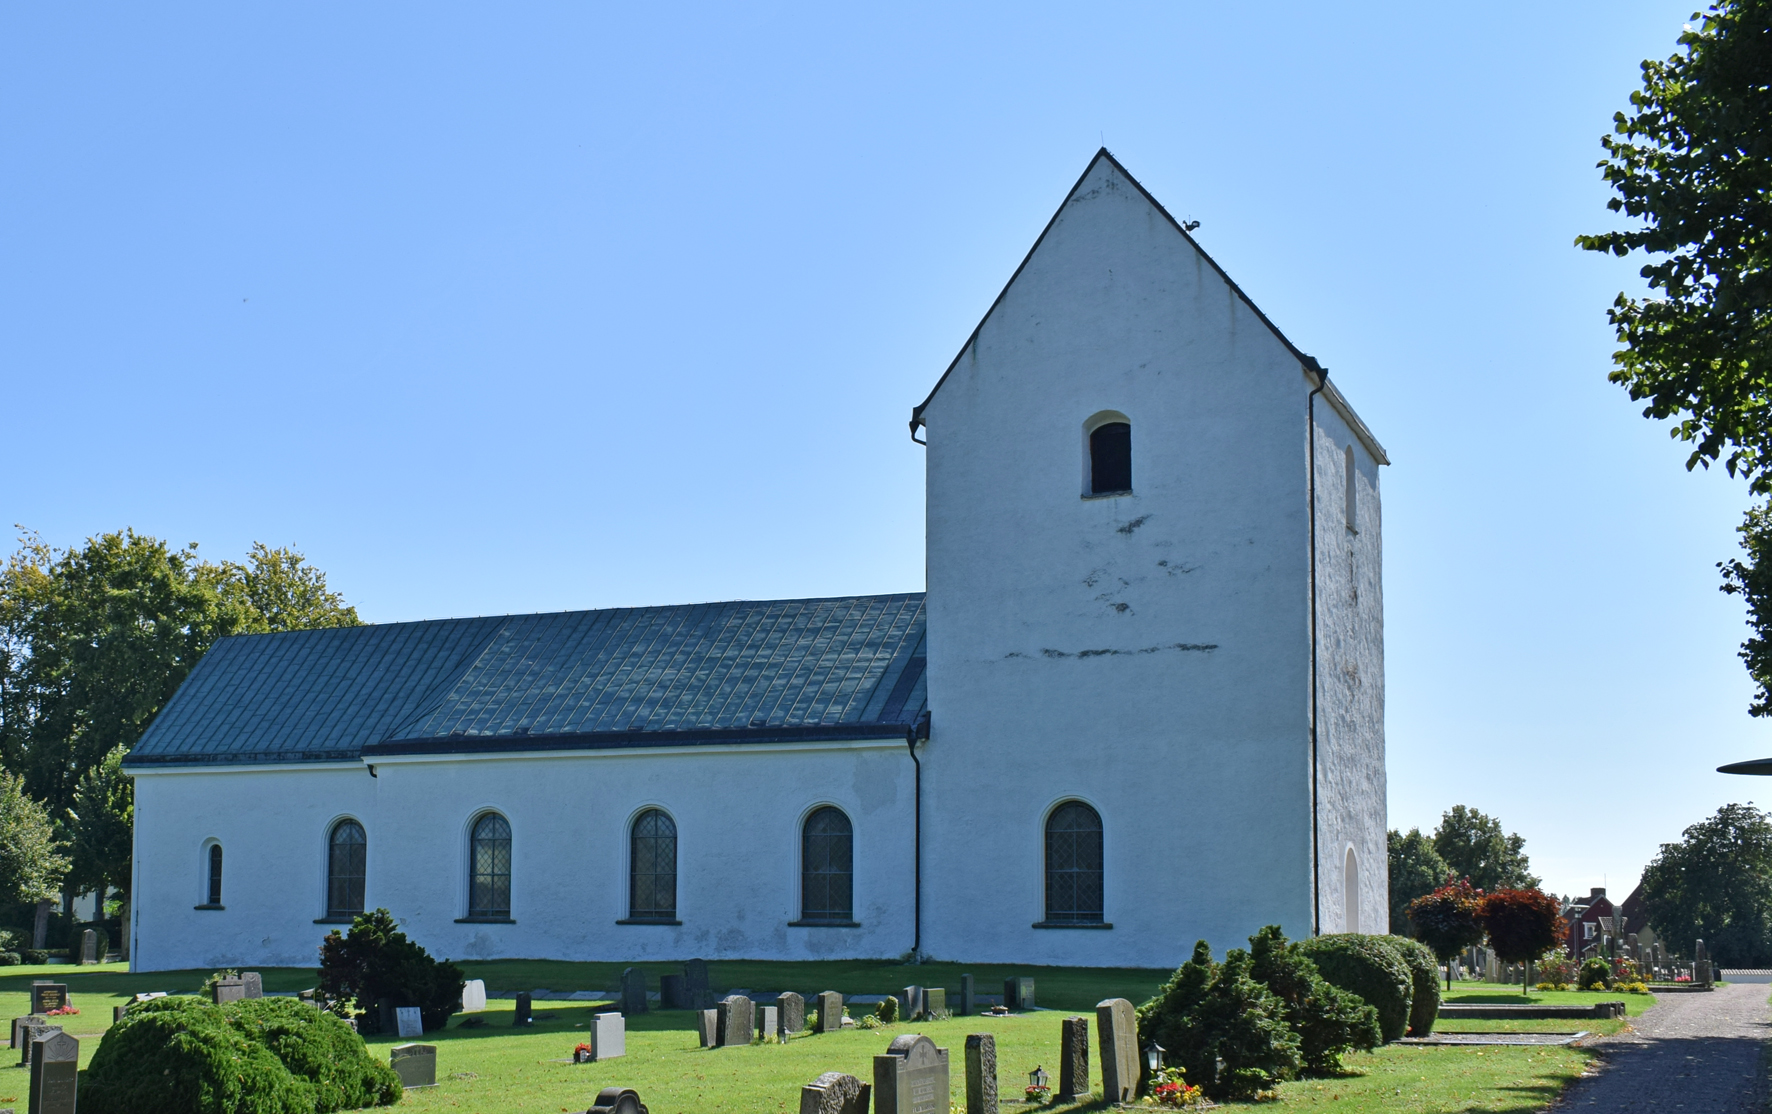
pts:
pixel 1353 523
pixel 1073 865
pixel 489 884
pixel 1110 459
pixel 347 863
pixel 215 874
pixel 652 883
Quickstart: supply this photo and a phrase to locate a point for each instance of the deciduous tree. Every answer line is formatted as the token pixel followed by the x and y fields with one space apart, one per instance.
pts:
pixel 1415 869
pixel 1715 885
pixel 1474 846
pixel 1522 925
pixel 1449 920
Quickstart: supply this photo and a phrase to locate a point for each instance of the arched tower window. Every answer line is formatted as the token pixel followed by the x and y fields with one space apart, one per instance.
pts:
pixel 1353 523
pixel 1110 458
pixel 489 878
pixel 652 867
pixel 827 870
pixel 347 867
pixel 214 893
pixel 1350 891
pixel 1073 865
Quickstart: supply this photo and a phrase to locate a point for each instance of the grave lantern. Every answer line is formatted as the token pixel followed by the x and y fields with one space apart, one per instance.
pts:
pixel 1039 1078
pixel 1153 1057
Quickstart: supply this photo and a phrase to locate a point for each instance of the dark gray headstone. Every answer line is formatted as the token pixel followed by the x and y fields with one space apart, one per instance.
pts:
pixel 967 1005
pixel 617 1100
pixel 30 1032
pixel 229 990
pixel 255 984
pixel 117 1013
pixel 89 948
pixel 1073 1059
pixel 1018 994
pixel 912 1078
pixel 1116 1032
pixel 768 1018
pixel 46 996
pixel 708 1024
pixel 981 1073
pixel 835 1093
pixel 633 992
pixel 737 1020
pixel 525 1011
pixel 695 978
pixel 415 1064
pixel 55 1074
pixel 790 1015
pixel 19 1038
pixel 830 1011
pixel 935 1002
pixel 673 993
pixel 386 1020
pixel 910 1004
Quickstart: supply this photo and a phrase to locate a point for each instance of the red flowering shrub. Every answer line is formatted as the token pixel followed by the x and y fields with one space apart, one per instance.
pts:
pixel 1449 919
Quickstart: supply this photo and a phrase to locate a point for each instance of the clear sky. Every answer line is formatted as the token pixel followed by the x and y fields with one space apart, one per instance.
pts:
pixel 536 307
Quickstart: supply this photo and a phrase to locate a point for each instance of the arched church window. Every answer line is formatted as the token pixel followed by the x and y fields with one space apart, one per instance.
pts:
pixel 214 893
pixel 652 867
pixel 1110 458
pixel 1350 890
pixel 1073 865
pixel 1348 496
pixel 827 867
pixel 489 881
pixel 347 862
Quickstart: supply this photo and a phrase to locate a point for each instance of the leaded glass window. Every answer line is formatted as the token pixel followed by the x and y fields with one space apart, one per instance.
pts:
pixel 1073 865
pixel 347 862
pixel 215 863
pixel 489 883
pixel 827 875
pixel 652 872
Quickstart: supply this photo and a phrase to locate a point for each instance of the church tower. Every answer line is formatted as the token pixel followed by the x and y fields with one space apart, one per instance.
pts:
pixel 1155 676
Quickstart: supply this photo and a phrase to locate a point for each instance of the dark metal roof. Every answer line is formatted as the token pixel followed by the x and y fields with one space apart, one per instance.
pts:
pixel 746 672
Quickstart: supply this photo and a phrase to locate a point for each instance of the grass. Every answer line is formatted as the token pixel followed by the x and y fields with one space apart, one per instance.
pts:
pixel 496 1069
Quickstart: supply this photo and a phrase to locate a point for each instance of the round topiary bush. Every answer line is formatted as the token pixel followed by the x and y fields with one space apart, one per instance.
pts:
pixel 1366 966
pixel 320 1048
pixel 1424 1003
pixel 1595 973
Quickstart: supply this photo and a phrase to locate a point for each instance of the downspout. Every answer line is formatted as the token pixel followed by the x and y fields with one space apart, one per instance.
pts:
pixel 912 735
pixel 1310 405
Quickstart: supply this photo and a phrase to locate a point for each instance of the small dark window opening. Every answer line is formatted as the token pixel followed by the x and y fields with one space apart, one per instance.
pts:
pixel 489 884
pixel 1110 459
pixel 827 878
pixel 215 874
pixel 1073 865
pixel 652 890
pixel 346 869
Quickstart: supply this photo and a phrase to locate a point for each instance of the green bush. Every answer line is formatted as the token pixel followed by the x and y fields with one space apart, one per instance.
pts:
pixel 1328 1020
pixel 1595 972
pixel 377 961
pixel 182 1055
pixel 36 956
pixel 887 1011
pixel 1366 966
pixel 1226 1030
pixel 1424 1003
pixel 10 959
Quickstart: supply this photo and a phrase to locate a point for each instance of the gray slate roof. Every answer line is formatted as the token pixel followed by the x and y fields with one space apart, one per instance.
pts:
pixel 738 672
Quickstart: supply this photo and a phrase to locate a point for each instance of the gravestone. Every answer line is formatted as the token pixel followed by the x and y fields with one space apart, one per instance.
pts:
pixel 117 1013
pixel 935 1002
pixel 19 1039
pixel 912 1078
pixel 228 990
pixel 30 1032
pixel 1018 994
pixel 633 992
pixel 617 1100
pixel 55 1074
pixel 966 1003
pixel 695 979
pixel 709 1025
pixel 386 1020
pixel 1073 1059
pixel 737 1020
pixel 609 1036
pixel 790 1016
pixel 1632 947
pixel 255 984
pixel 46 996
pixel 1116 1034
pixel 1701 964
pixel 910 1004
pixel 830 1011
pixel 766 1020
pixel 415 1064
pixel 981 1073
pixel 88 948
pixel 408 1022
pixel 673 993
pixel 524 1014
pixel 473 996
pixel 835 1093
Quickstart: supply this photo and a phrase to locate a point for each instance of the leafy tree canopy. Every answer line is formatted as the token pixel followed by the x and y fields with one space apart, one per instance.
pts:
pixel 103 824
pixel 1449 919
pixel 31 863
pixel 1522 924
pixel 1715 885
pixel 1474 847
pixel 1415 869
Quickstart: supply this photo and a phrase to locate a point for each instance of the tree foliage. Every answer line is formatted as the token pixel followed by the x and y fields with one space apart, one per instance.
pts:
pixel 1752 581
pixel 1415 869
pixel 1715 885
pixel 103 824
pixel 1449 919
pixel 1475 847
pixel 1329 1021
pixel 1224 1028
pixel 31 861
pixel 376 960
pixel 1522 924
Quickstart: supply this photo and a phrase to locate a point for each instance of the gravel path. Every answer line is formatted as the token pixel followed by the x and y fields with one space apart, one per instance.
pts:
pixel 1694 1052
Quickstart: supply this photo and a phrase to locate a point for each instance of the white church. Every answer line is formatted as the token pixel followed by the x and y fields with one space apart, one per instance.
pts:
pixel 1140 703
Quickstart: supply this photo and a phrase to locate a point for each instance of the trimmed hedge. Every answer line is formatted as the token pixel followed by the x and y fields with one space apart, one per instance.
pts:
pixel 1366 966
pixel 182 1055
pixel 1424 1005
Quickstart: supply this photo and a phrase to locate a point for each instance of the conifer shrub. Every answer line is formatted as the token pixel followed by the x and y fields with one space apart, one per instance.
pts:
pixel 1424 1003
pixel 1328 1020
pixel 1225 1029
pixel 887 1011
pixel 376 960
pixel 1366 966
pixel 1596 973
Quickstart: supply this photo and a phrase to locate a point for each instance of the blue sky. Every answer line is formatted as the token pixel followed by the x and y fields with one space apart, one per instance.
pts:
pixel 567 306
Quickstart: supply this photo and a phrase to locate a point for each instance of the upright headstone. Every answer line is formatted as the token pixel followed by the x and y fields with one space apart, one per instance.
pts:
pixel 408 1022
pixel 386 1020
pixel 254 983
pixel 767 1020
pixel 695 978
pixel 830 1011
pixel 834 1093
pixel 910 1004
pixel 617 1100
pixel 911 1078
pixel 790 1015
pixel 524 1014
pixel 673 992
pixel 473 996
pixel 737 1020
pixel 88 948
pixel 1116 1031
pixel 228 990
pixel 415 1064
pixel 21 1039
pixel 117 1013
pixel 46 996
pixel 935 1002
pixel 633 992
pixel 966 1003
pixel 981 1072
pixel 1701 965
pixel 1632 947
pixel 30 1032
pixel 609 1036
pixel 708 1021
pixel 1018 994
pixel 55 1074
pixel 1073 1059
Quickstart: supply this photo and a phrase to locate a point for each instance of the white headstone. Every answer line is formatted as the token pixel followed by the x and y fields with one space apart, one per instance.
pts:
pixel 473 996
pixel 409 1021
pixel 609 1036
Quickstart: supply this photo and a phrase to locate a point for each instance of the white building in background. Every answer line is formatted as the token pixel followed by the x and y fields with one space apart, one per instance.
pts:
pixel 1146 689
